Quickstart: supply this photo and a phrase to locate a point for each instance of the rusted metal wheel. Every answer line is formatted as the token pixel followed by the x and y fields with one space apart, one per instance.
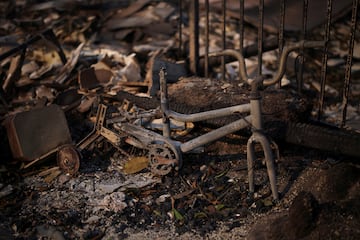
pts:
pixel 68 159
pixel 162 159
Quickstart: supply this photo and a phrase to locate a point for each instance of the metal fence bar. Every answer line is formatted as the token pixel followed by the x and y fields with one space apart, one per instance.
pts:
pixel 347 79
pixel 180 29
pixel 325 59
pixel 260 35
pixel 241 26
pixel 194 36
pixel 281 31
pixel 302 54
pixel 207 23
pixel 223 12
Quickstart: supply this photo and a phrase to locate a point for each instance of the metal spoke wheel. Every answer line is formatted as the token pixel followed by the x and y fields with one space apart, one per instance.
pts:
pixel 162 159
pixel 68 159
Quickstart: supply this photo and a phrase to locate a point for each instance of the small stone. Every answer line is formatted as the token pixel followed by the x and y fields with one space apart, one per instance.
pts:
pixel 92 219
pixel 107 188
pixel 63 178
pixel 6 191
pixel 162 198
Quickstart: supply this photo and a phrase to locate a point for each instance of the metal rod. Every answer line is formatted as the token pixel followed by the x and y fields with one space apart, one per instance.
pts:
pixel 260 35
pixel 223 38
pixel 304 23
pixel 206 64
pixel 325 59
pixel 180 29
pixel 164 103
pixel 255 109
pixel 286 52
pixel 282 63
pixel 270 43
pixel 241 27
pixel 261 138
pixel 281 31
pixel 215 134
pixel 349 61
pixel 302 54
pixel 231 52
pixel 196 117
pixel 282 26
pixel 194 36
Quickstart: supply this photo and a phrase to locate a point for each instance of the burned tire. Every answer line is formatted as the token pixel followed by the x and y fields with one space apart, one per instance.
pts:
pixel 332 139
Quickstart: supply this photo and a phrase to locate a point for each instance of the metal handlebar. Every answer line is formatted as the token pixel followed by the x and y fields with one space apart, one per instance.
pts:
pixel 282 62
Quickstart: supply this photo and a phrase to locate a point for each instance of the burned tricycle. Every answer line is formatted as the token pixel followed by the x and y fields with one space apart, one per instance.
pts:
pixel 164 151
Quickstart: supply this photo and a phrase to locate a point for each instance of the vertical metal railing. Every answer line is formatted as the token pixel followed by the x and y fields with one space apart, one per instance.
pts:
pixel 281 31
pixel 262 44
pixel 349 60
pixel 260 36
pixel 223 37
pixel 194 36
pixel 303 37
pixel 325 59
pixel 207 39
pixel 180 46
pixel 241 26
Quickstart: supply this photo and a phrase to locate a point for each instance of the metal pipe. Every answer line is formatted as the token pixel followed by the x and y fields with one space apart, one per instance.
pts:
pixel 270 43
pixel 241 27
pixel 349 61
pixel 281 31
pixel 302 54
pixel 231 52
pixel 206 64
pixel 255 109
pixel 180 29
pixel 281 26
pixel 194 36
pixel 325 59
pixel 164 103
pixel 196 117
pixel 282 63
pixel 250 155
pixel 255 104
pixel 260 36
pixel 223 38
pixel 286 52
pixel 215 134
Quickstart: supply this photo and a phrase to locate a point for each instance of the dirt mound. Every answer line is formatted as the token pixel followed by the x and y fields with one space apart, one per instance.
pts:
pixel 329 210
